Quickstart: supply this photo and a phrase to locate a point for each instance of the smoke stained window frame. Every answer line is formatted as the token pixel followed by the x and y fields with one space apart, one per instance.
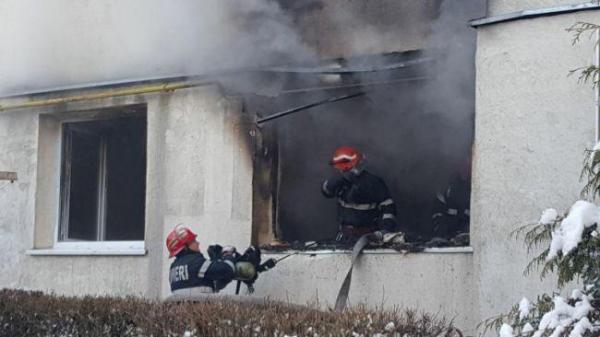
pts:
pixel 102 130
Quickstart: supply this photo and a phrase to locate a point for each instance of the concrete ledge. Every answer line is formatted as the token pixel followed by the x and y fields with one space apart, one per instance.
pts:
pixel 82 252
pixel 533 13
pixel 440 250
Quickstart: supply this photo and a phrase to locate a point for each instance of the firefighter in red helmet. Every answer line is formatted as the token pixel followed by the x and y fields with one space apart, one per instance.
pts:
pixel 192 271
pixel 451 214
pixel 364 201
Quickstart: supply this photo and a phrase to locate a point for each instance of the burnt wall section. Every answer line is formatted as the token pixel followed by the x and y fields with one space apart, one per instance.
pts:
pixel 264 185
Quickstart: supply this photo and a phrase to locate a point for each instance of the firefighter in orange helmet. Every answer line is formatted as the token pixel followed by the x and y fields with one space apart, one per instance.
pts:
pixel 364 201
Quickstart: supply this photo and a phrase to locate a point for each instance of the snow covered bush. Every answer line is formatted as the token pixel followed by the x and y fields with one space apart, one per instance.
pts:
pixel 572 251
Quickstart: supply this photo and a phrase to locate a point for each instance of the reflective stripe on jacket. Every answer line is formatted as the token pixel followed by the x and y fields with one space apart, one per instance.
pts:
pixel 363 201
pixel 191 269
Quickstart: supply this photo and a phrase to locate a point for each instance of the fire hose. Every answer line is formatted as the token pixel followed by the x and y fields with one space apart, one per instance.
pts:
pixel 268 265
pixel 296 252
pixel 342 297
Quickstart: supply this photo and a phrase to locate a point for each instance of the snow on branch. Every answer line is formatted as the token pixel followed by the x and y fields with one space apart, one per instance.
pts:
pixel 568 235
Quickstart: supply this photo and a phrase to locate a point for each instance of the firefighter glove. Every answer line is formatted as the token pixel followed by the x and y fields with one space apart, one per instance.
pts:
pixel 252 255
pixel 214 252
pixel 334 186
pixel 376 236
pixel 228 251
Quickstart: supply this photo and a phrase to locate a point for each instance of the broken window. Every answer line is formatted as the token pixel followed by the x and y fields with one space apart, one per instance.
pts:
pixel 103 179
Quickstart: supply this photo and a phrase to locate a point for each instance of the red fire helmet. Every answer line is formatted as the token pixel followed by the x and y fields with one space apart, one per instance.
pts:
pixel 345 158
pixel 178 239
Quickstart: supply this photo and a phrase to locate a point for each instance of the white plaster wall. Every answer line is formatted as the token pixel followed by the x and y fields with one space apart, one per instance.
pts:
pixel 208 170
pixel 18 144
pixel 533 123
pixel 436 283
pixel 81 275
pixel 496 7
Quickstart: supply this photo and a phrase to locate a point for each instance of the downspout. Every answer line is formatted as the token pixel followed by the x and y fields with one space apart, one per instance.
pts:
pixel 597 84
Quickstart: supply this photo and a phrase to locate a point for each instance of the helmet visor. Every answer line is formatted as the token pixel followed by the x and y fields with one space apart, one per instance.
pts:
pixel 345 163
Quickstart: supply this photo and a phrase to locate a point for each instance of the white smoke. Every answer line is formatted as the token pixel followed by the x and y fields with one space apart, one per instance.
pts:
pixel 64 42
pixel 451 91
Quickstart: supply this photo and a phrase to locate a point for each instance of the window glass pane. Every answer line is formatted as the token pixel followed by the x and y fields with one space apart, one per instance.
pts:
pixel 83 194
pixel 126 180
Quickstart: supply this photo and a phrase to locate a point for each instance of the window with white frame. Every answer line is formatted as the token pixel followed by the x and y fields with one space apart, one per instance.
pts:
pixel 103 179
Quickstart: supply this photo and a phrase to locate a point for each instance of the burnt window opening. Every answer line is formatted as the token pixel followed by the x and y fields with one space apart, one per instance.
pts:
pixel 424 160
pixel 421 151
pixel 103 179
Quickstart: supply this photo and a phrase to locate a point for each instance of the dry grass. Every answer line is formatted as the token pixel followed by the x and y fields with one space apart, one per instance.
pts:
pixel 35 314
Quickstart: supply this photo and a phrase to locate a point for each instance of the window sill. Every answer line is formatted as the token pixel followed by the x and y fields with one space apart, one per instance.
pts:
pixel 440 250
pixel 119 248
pixel 82 252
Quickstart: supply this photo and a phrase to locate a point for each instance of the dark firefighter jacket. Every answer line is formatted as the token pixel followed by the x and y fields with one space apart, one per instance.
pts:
pixel 363 201
pixel 190 269
pixel 451 211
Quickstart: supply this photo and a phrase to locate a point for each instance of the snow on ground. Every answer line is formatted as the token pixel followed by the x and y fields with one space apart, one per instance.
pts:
pixel 567 236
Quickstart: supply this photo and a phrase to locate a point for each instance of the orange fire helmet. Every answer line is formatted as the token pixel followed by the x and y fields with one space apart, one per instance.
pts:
pixel 179 238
